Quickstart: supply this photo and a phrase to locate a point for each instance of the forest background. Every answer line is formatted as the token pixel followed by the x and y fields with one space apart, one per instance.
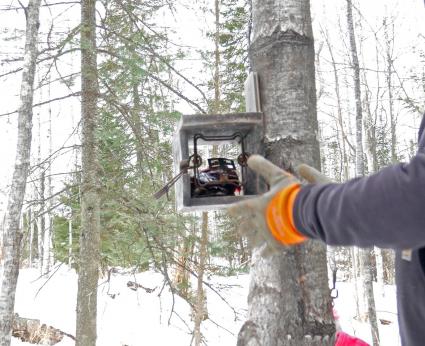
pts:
pixel 158 60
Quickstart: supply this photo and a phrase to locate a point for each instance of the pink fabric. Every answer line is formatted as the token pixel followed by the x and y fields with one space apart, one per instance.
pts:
pixel 343 339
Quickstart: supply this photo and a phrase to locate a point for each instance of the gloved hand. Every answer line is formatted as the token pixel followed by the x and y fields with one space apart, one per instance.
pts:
pixel 268 218
pixel 312 175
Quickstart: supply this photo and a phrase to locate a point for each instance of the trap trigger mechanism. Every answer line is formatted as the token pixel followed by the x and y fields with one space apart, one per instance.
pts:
pixel 184 166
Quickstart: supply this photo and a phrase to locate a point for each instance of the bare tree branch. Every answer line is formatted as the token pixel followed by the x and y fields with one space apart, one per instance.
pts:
pixel 60 98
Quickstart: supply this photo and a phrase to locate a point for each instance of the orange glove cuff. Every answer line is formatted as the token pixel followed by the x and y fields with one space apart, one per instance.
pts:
pixel 279 216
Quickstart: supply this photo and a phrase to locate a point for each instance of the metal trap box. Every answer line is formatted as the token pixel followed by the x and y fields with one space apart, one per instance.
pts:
pixel 214 147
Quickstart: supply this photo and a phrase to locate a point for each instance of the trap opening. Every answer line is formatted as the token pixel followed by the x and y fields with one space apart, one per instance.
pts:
pixel 213 150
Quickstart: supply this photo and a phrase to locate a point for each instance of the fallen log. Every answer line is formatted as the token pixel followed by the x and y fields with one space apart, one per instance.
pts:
pixel 33 331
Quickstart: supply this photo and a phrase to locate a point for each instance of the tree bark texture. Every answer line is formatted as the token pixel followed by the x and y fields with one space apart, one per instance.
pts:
pixel 357 91
pixel 365 254
pixel 90 216
pixel 13 233
pixel 289 299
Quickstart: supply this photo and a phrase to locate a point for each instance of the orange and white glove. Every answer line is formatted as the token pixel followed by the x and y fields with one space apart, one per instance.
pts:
pixel 269 217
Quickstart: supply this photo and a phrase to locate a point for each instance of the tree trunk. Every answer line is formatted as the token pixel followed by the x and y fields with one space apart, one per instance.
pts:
pixel 13 233
pixel 201 312
pixel 365 254
pixel 200 304
pixel 289 301
pixel 340 121
pixel 358 291
pixel 70 241
pixel 39 193
pixel 372 164
pixel 31 236
pixel 217 80
pixel 387 254
pixel 389 42
pixel 137 127
pixel 48 233
pixel 41 220
pixel 90 215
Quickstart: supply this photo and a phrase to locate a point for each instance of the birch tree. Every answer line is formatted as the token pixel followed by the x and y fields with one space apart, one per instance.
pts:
pixel 13 233
pixel 90 214
pixel 289 302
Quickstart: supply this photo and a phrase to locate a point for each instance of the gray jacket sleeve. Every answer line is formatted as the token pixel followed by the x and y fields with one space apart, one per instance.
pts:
pixel 386 209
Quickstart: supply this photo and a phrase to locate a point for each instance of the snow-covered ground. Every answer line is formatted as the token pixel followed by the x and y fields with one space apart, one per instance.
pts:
pixel 135 318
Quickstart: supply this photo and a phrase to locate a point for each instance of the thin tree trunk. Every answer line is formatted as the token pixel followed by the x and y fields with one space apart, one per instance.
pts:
pixel 217 83
pixel 379 259
pixel 70 241
pixel 48 255
pixel 371 154
pixel 200 304
pixel 365 254
pixel 89 260
pixel 289 299
pixel 344 139
pixel 357 92
pixel 389 62
pixel 31 236
pixel 137 127
pixel 41 222
pixel 388 256
pixel 13 233
pixel 358 291
pixel 40 196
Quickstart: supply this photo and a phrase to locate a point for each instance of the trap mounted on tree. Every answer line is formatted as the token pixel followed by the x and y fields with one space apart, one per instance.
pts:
pixel 206 179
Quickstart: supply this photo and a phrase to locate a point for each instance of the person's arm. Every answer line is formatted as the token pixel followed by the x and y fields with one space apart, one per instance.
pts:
pixel 386 209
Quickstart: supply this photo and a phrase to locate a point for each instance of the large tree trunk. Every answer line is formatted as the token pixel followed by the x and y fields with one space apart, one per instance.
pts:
pixel 365 254
pixel 90 215
pixel 13 234
pixel 289 302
